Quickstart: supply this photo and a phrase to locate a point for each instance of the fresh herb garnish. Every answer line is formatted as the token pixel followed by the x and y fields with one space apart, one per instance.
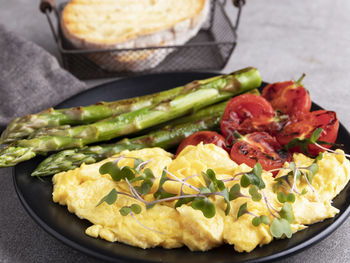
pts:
pixel 201 199
pixel 304 143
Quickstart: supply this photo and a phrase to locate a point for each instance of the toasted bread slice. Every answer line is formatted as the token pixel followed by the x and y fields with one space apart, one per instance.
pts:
pixel 103 24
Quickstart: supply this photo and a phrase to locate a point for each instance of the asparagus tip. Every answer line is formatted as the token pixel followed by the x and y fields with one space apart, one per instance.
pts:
pixel 12 155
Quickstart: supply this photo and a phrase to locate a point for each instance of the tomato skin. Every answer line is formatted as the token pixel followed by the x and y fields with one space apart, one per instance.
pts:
pixel 245 114
pixel 288 97
pixel 303 126
pixel 259 147
pixel 203 136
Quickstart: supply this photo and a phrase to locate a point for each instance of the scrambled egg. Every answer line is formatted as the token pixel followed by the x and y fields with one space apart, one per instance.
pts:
pixel 81 190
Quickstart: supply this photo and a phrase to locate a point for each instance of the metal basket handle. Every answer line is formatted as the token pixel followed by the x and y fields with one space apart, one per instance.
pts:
pixel 239 4
pixel 46 7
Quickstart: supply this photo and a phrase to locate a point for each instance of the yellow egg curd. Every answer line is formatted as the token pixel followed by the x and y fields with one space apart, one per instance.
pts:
pixel 81 190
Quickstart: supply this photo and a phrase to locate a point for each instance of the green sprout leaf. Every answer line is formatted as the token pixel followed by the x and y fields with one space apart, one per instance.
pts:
pixel 315 135
pixel 318 157
pixel 183 201
pixel 163 178
pixel 282 198
pixel 125 210
pixel 280 226
pixel 115 172
pixel 253 177
pixel 148 173
pixel 107 167
pixel 144 188
pixel 242 210
pixel 257 169
pixel 290 198
pixel 204 190
pixel 110 198
pixel 226 195
pixel 212 182
pixel 245 181
pixel 304 191
pixel 305 142
pixel 136 208
pixel 265 220
pixel 287 212
pixel 161 193
pixel 146 185
pixel 235 192
pixel 127 172
pixel 254 193
pixel 256 221
pixel 205 205
pixel 277 184
pixel 112 169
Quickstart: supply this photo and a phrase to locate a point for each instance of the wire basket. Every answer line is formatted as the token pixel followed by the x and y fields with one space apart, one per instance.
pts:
pixel 210 49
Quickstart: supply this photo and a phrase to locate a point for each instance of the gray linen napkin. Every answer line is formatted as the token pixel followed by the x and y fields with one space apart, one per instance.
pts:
pixel 31 79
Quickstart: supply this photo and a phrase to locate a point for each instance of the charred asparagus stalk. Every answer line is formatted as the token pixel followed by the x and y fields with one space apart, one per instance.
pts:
pixel 168 136
pixel 192 98
pixel 21 128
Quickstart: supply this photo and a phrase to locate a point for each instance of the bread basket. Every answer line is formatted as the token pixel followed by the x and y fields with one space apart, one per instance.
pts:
pixel 210 49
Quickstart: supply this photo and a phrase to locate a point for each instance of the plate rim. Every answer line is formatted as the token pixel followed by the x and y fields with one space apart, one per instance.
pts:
pixel 338 221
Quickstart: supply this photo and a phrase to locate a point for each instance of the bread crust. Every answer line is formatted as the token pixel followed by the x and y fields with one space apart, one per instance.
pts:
pixel 178 33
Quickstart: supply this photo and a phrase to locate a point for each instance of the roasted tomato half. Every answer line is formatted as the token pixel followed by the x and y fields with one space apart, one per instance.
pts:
pixel 245 114
pixel 303 126
pixel 288 97
pixel 259 147
pixel 203 136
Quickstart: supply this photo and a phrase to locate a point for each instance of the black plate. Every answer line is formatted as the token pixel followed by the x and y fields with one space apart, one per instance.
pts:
pixel 36 196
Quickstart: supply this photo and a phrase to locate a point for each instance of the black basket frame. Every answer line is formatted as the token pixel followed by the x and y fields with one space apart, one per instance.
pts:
pixel 77 61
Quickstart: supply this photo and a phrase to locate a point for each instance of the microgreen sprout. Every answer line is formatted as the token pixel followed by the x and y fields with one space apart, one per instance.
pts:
pixel 282 197
pixel 201 199
pixel 235 192
pixel 313 140
pixel 297 172
pixel 242 210
pixel 304 142
pixel 261 219
pixel 253 177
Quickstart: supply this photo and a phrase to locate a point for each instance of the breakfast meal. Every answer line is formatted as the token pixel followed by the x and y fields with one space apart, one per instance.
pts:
pixel 195 225
pixel 222 164
pixel 125 24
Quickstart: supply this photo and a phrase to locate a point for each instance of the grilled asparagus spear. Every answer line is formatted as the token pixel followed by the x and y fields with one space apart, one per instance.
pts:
pixel 21 128
pixel 168 136
pixel 192 98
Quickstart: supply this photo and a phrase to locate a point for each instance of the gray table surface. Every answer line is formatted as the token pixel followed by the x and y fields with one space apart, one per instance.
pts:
pixel 281 38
